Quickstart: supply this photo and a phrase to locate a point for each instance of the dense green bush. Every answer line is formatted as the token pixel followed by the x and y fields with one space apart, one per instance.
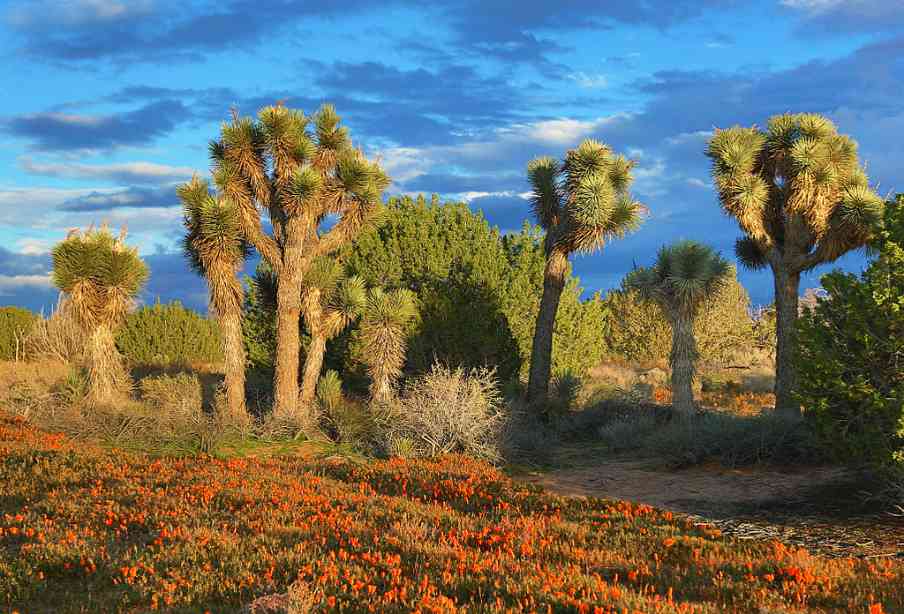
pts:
pixel 478 292
pixel 851 355
pixel 636 330
pixel 15 324
pixel 169 333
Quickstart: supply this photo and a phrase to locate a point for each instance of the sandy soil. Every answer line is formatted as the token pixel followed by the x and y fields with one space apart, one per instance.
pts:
pixel 695 490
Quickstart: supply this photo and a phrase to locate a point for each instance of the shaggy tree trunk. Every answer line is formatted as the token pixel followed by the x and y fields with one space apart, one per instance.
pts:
pixel 288 335
pixel 313 361
pixel 381 387
pixel 787 286
pixel 682 361
pixel 107 376
pixel 234 352
pixel 541 351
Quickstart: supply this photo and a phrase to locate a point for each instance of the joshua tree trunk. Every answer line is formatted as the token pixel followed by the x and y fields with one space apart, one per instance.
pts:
pixel 313 361
pixel 787 286
pixel 682 360
pixel 107 377
pixel 381 387
pixel 234 351
pixel 288 335
pixel 541 351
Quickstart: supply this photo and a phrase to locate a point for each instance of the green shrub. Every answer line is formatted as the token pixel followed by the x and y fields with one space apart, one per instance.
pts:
pixel 478 292
pixel 15 324
pixel 851 355
pixel 169 334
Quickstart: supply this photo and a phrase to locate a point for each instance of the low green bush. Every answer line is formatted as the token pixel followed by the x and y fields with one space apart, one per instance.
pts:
pixel 169 334
pixel 15 325
pixel 851 356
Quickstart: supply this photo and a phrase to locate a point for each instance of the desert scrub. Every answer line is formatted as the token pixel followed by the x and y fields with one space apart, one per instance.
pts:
pixel 15 324
pixel 169 334
pixel 449 410
pixel 450 534
pixel 730 439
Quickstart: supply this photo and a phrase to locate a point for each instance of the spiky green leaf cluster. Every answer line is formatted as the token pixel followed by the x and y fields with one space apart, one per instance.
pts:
pixel 796 187
pixel 338 300
pixel 684 275
pixel 584 202
pixel 213 243
pixel 100 273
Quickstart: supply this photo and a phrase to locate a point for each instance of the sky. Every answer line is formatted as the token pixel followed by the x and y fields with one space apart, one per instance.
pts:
pixel 107 105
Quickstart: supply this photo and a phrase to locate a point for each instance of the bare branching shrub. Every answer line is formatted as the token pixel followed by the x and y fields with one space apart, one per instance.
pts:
pixel 449 410
pixel 57 337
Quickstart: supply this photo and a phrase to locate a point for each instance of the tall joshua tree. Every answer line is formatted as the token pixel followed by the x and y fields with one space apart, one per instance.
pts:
pixel 383 334
pixel 683 278
pixel 802 199
pixel 275 166
pixel 330 302
pixel 101 276
pixel 581 203
pixel 214 246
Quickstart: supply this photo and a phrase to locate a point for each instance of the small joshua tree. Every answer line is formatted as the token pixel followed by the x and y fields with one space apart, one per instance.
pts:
pixel 683 278
pixel 101 276
pixel 386 315
pixel 330 302
pixel 802 199
pixel 581 203
pixel 214 247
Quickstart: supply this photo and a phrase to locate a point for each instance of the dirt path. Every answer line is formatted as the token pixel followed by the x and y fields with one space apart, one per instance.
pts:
pixel 694 491
pixel 799 507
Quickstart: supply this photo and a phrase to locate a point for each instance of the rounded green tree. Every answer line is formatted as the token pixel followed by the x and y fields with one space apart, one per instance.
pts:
pixel 214 246
pixel 101 277
pixel 684 276
pixel 801 197
pixel 581 203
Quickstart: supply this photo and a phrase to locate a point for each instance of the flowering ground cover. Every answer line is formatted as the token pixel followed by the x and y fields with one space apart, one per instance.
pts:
pixel 91 530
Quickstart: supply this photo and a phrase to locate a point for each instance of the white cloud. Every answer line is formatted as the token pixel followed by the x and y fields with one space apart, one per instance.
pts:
pixel 589 81
pixel 33 247
pixel 8 283
pixel 816 6
pixel 35 206
pixel 125 171
pixel 42 13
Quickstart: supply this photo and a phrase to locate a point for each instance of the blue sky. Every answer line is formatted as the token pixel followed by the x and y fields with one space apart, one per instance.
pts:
pixel 108 104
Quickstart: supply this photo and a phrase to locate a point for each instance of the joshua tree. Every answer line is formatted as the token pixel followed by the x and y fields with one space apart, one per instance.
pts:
pixel 683 278
pixel 801 198
pixel 273 166
pixel 214 246
pixel 383 333
pixel 329 304
pixel 581 203
pixel 101 277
